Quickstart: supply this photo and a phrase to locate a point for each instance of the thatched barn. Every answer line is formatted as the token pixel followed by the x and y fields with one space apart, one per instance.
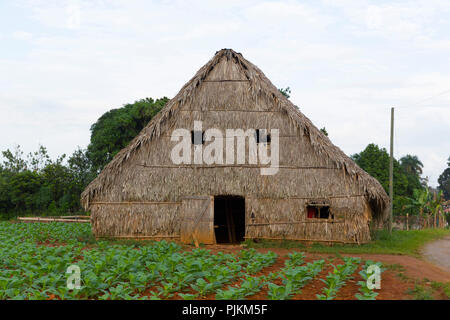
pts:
pixel 316 192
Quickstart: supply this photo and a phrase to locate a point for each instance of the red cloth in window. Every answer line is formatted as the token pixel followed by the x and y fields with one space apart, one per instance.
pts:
pixel 312 212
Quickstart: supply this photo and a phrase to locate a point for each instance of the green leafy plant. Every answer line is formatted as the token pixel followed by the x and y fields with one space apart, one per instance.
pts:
pixel 280 292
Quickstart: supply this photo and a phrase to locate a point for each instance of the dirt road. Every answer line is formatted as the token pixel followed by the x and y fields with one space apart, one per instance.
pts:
pixel 438 252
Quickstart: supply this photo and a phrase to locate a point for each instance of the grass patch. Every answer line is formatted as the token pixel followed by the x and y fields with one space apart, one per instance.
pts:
pixel 421 292
pixel 400 242
pixel 429 290
pixel 445 287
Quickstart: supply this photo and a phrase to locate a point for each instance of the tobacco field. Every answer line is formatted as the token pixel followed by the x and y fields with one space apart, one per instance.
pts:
pixel 35 259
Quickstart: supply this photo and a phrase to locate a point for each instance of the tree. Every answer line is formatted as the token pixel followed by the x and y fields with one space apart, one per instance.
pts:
pixel 13 160
pixel 413 168
pixel 38 185
pixel 81 167
pixel 411 164
pixel 375 161
pixel 81 174
pixel 38 159
pixel 56 178
pixel 285 92
pixel 23 187
pixel 6 204
pixel 324 131
pixel 117 127
pixel 444 181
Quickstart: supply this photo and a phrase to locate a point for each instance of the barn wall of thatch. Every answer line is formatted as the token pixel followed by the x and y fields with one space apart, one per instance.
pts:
pixel 131 219
pixel 287 219
pixel 265 218
pixel 310 167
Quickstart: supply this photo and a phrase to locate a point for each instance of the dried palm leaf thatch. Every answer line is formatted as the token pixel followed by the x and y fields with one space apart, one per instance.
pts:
pixel 231 92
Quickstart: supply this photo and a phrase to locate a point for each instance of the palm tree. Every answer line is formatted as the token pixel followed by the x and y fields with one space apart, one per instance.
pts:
pixel 411 164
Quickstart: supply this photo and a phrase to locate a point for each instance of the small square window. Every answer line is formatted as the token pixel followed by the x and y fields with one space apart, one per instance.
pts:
pixel 319 212
pixel 262 136
pixel 197 137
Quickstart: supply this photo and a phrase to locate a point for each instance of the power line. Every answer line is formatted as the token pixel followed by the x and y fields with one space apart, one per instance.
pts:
pixel 433 96
pixel 417 104
pixel 430 106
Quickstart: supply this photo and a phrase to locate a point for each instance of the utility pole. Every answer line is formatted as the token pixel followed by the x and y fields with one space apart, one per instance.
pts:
pixel 391 172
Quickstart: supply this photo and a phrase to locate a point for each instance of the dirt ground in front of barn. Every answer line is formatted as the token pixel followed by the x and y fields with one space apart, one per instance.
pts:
pixel 398 282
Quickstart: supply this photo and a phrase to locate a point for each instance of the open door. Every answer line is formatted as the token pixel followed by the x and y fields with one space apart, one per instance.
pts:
pixel 197 220
pixel 229 219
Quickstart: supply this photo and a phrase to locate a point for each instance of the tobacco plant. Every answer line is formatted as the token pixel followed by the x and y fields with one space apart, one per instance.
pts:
pixel 365 292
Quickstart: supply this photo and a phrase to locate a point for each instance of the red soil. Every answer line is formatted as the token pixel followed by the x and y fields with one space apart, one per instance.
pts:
pixel 395 281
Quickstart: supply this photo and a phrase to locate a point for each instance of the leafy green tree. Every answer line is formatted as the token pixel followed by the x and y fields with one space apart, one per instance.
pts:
pixel 324 131
pixel 81 173
pixel 285 92
pixel 39 186
pixel 56 177
pixel 38 159
pixel 117 127
pixel 6 204
pixel 23 187
pixel 13 160
pixel 444 181
pixel 81 167
pixel 375 161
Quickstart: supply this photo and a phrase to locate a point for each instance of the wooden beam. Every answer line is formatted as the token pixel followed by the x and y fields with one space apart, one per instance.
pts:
pixel 254 166
pixel 296 222
pixel 299 239
pixel 38 219
pixel 138 237
pixel 134 202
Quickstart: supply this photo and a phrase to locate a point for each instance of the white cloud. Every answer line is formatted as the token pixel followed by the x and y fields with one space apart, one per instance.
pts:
pixel 22 35
pixel 347 63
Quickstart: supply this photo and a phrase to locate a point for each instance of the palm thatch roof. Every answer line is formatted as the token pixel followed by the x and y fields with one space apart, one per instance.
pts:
pixel 260 88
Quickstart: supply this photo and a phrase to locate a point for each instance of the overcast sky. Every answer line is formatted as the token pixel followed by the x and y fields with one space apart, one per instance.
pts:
pixel 64 63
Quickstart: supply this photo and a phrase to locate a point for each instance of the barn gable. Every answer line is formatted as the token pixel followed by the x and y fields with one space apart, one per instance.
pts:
pixel 230 93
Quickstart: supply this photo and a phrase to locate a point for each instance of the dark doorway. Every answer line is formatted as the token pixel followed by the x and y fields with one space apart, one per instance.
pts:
pixel 229 219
